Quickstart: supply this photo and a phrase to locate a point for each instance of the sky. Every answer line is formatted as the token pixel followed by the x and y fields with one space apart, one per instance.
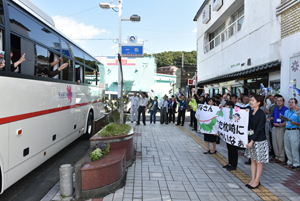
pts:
pixel 166 25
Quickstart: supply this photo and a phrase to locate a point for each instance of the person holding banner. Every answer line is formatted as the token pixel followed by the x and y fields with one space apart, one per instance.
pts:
pixel 208 137
pixel 232 150
pixel 257 148
pixel 199 100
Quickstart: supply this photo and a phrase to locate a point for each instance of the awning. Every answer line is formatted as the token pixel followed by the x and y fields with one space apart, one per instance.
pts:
pixel 264 68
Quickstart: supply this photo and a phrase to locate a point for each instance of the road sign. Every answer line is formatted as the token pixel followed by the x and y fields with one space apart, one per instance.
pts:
pixel 132 51
pixel 132 39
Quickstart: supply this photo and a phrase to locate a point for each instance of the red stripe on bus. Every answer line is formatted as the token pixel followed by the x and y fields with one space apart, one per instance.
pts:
pixel 19 117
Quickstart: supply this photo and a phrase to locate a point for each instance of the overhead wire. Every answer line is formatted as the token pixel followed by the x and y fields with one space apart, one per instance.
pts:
pixel 79 12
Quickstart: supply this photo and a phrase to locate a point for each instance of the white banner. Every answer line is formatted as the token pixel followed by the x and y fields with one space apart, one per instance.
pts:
pixel 231 125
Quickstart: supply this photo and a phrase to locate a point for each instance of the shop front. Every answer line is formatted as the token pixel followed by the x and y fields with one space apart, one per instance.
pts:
pixel 246 81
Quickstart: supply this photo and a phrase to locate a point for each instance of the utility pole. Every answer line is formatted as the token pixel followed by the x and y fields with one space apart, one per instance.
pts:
pixel 182 66
pixel 182 60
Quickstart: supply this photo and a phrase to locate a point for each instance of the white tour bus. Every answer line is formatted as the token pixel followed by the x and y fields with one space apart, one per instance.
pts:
pixel 42 110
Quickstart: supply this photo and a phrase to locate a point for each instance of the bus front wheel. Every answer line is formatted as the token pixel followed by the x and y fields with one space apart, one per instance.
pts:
pixel 89 126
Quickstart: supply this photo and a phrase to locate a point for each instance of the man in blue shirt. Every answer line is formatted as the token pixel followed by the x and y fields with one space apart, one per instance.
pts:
pixel 181 110
pixel 278 130
pixel 291 136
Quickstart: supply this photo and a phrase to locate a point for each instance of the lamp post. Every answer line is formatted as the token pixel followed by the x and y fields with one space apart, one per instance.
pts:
pixel 196 80
pixel 133 18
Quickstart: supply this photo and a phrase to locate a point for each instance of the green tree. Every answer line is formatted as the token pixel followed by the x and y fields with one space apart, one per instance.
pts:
pixel 175 58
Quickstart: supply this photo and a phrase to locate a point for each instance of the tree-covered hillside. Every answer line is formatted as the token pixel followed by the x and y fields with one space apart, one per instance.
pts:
pixel 175 58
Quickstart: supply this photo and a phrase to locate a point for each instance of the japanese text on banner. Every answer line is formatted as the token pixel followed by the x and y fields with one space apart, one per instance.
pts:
pixel 231 124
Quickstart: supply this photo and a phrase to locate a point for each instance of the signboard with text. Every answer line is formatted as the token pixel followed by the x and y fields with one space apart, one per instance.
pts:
pixel 132 51
pixel 231 124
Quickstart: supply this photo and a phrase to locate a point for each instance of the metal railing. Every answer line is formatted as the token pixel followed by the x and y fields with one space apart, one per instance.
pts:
pixel 232 29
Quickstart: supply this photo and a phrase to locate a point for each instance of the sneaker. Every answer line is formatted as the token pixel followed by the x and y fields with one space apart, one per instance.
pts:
pixel 287 165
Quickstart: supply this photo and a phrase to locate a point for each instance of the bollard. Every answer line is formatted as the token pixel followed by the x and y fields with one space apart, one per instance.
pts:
pixel 66 180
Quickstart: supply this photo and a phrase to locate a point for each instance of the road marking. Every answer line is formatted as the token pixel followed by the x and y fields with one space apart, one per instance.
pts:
pixel 261 191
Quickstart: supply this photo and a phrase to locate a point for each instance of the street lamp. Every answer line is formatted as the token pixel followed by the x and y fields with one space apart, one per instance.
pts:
pixel 133 18
pixel 196 80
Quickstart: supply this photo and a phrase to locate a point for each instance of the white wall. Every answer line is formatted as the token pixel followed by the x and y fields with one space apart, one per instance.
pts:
pixel 162 84
pixel 274 76
pixel 290 49
pixel 259 39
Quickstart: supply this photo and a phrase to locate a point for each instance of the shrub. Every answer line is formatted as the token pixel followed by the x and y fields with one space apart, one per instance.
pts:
pixel 115 130
pixel 102 149
pixel 96 154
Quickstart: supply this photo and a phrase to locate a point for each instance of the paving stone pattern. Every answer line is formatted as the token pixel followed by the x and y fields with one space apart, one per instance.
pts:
pixel 170 165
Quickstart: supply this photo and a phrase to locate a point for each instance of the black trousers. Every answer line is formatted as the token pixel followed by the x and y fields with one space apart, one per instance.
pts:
pixel 232 155
pixel 195 122
pixel 181 114
pixel 171 115
pixel 192 117
pixel 141 110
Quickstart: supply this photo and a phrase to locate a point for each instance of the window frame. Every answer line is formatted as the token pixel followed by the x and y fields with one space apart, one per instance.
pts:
pixel 35 21
pixel 88 67
pixel 7 46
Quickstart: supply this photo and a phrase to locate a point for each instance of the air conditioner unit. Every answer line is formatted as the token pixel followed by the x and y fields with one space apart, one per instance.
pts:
pixel 206 14
pixel 217 4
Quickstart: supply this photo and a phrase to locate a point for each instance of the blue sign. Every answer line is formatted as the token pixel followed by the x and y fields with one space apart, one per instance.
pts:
pixel 134 51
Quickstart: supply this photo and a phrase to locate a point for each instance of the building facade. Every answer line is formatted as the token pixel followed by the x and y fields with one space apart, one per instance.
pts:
pixel 289 12
pixel 168 70
pixel 138 74
pixel 239 46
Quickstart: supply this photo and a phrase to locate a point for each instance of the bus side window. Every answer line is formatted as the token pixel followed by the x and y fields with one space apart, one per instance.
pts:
pixel 2 54
pixel 22 56
pixel 54 62
pixel 90 76
pixel 79 73
pixel 68 71
pixel 1 13
pixel 42 63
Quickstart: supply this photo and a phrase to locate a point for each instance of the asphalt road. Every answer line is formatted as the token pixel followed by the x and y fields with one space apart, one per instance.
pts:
pixel 35 185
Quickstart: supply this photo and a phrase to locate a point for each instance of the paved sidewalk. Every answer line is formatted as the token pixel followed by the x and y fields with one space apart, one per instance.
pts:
pixel 170 165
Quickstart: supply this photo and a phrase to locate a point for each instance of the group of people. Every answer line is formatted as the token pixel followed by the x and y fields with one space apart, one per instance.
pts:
pixel 273 127
pixel 273 130
pixel 139 105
